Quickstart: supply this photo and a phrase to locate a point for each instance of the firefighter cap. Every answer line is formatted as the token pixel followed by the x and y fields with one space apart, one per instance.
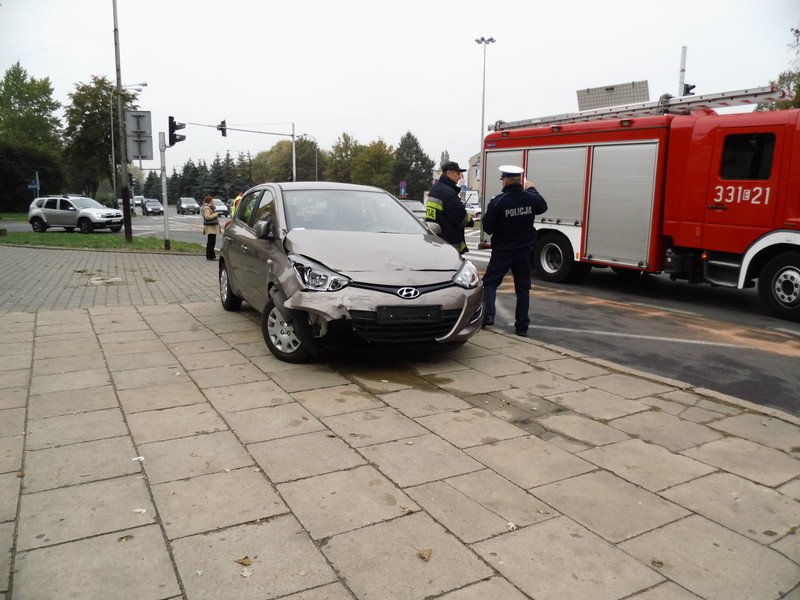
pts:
pixel 510 171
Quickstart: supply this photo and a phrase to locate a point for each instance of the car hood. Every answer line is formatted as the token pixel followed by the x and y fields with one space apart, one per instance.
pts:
pixel 377 257
pixel 102 212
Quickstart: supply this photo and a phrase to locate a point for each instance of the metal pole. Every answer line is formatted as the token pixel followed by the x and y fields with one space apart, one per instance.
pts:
pixel 294 157
pixel 485 43
pixel 126 193
pixel 113 155
pixel 162 146
pixel 682 74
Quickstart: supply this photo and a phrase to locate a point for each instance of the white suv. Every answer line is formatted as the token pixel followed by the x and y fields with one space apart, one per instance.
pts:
pixel 70 212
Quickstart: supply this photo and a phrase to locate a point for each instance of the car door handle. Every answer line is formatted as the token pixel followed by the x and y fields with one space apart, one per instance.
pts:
pixel 717 207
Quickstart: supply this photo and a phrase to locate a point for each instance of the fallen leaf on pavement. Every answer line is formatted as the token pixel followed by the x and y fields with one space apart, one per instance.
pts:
pixel 246 572
pixel 125 538
pixel 424 554
pixel 245 560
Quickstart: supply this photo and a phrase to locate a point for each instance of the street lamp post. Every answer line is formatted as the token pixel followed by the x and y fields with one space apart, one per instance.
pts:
pixel 316 154
pixel 485 42
pixel 137 87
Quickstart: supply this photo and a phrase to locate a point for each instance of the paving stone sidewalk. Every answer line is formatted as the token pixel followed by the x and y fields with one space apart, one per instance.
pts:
pixel 156 450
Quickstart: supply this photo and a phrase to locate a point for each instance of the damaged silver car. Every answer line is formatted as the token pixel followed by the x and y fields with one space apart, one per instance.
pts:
pixel 344 266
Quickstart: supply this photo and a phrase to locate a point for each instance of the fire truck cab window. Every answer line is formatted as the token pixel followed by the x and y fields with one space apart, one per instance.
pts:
pixel 748 156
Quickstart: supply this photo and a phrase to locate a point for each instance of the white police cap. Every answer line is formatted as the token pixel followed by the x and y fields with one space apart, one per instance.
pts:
pixel 510 171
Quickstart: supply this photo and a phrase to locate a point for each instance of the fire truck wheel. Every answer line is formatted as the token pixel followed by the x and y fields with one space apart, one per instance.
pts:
pixel 779 285
pixel 553 260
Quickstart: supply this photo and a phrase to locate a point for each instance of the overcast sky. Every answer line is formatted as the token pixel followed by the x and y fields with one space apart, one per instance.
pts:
pixel 379 69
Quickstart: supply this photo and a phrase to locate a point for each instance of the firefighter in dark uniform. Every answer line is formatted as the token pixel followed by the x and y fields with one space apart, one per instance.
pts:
pixel 509 219
pixel 445 208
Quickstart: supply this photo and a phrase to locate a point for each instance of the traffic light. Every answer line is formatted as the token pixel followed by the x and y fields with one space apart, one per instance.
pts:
pixel 174 138
pixel 223 127
pixel 687 89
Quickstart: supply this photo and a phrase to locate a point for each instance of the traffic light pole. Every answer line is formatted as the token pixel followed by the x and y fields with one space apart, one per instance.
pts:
pixel 123 151
pixel 162 146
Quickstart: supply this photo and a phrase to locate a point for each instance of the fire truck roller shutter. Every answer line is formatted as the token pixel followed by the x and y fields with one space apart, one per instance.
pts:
pixel 621 200
pixel 559 175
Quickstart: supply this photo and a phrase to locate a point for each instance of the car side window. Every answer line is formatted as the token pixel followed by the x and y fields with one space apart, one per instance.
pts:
pixel 266 206
pixel 66 205
pixel 246 205
pixel 51 203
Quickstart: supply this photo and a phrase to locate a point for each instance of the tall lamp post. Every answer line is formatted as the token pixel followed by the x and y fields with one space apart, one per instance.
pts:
pixel 485 42
pixel 316 154
pixel 137 87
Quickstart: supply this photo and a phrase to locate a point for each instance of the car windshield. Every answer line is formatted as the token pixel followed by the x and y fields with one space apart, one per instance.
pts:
pixel 347 210
pixel 153 203
pixel 414 205
pixel 86 203
pixel 219 203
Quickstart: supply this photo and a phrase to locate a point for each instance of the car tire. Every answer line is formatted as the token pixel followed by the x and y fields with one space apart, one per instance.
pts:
pixel 115 229
pixel 779 285
pixel 553 260
pixel 230 301
pixel 39 226
pixel 284 337
pixel 85 225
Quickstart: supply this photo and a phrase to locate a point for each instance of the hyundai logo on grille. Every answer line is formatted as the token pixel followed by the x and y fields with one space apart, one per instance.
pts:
pixel 408 293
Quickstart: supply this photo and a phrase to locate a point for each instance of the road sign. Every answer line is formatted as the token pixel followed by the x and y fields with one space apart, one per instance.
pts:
pixel 139 134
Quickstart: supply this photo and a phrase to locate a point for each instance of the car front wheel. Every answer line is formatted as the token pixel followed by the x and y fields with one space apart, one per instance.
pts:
pixel 283 336
pixel 85 226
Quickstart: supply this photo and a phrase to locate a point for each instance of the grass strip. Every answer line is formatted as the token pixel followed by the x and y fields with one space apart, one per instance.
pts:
pixel 97 241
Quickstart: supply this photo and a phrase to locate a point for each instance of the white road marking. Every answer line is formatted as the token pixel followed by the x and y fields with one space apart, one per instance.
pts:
pixel 639 337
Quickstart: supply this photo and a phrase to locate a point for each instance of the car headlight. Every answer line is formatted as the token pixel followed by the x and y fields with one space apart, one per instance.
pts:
pixel 467 276
pixel 313 276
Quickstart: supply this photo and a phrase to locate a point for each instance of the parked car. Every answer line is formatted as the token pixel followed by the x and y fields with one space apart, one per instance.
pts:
pixel 415 206
pixel 187 206
pixel 221 209
pixel 333 265
pixel 152 207
pixel 137 200
pixel 71 212
pixel 130 204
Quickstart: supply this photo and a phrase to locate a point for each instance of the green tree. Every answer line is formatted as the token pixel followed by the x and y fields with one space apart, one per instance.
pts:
pixel 18 165
pixel 88 133
pixel 374 165
pixel 413 166
pixel 788 80
pixel 339 162
pixel 152 186
pixel 27 110
pixel 244 172
pixel 30 139
pixel 259 167
pixel 279 162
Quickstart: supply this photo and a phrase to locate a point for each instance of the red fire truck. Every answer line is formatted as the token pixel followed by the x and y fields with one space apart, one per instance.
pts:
pixel 666 186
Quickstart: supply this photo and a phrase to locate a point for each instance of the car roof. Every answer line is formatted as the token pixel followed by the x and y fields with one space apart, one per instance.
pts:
pixel 321 185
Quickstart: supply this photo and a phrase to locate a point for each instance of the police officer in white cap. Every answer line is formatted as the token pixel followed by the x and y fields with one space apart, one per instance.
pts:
pixel 509 219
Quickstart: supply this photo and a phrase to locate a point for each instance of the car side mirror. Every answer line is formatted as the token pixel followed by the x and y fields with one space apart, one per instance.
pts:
pixel 434 227
pixel 265 229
